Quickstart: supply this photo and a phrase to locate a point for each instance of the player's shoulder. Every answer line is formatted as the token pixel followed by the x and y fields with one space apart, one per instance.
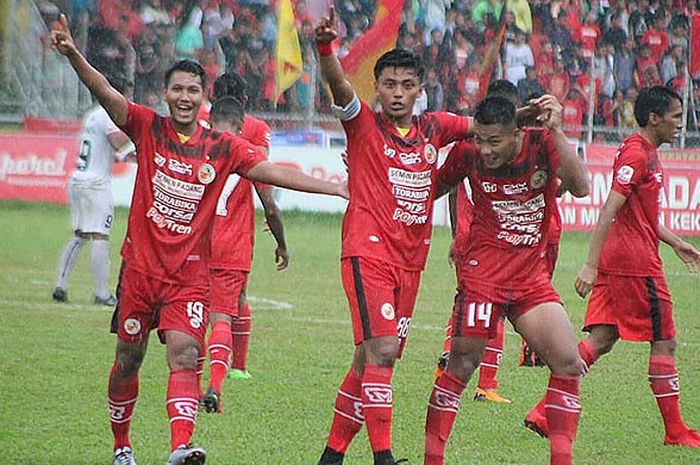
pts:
pixel 464 147
pixel 636 145
pixel 255 123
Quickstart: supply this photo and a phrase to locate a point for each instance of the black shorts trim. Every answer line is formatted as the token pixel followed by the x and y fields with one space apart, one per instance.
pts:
pixel 113 325
pixel 459 305
pixel 361 301
pixel 654 308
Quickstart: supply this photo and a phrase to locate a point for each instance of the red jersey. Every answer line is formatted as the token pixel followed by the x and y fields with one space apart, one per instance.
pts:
pixel 632 245
pixel 512 211
pixel 657 41
pixel 175 194
pixel 234 224
pixel 555 227
pixel 464 209
pixel 391 181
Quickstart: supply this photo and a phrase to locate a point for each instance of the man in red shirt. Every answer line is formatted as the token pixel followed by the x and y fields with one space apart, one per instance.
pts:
pixel 232 243
pixel 656 37
pixel 164 281
pixel 630 298
pixel 513 173
pixel 392 160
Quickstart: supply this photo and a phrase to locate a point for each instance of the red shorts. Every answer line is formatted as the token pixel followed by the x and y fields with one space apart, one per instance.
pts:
pixel 227 286
pixel 381 298
pixel 640 307
pixel 146 303
pixel 477 309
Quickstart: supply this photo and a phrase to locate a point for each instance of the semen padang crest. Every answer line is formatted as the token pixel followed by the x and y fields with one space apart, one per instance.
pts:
pixel 538 179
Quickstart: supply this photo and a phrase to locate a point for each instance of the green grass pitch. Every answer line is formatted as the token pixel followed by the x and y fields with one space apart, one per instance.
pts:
pixel 55 359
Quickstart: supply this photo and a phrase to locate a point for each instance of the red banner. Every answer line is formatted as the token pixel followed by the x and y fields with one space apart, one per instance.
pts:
pixel 695 45
pixel 680 198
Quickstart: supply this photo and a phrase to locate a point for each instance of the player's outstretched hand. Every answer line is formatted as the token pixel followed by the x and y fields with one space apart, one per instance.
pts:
pixel 281 258
pixel 549 110
pixel 61 39
pixel 689 255
pixel 585 279
pixel 343 190
pixel 325 29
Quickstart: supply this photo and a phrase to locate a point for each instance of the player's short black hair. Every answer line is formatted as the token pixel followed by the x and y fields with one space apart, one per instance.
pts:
pixel 398 58
pixel 188 66
pixel 495 110
pixel 503 88
pixel 655 99
pixel 227 109
pixel 120 83
pixel 230 85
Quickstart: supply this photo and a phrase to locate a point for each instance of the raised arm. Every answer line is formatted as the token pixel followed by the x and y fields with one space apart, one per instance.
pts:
pixel 331 69
pixel 270 173
pixel 110 99
pixel 571 171
pixel 587 275
pixel 274 222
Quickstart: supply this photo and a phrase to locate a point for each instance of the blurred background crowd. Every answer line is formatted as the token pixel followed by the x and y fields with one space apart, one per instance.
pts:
pixel 592 54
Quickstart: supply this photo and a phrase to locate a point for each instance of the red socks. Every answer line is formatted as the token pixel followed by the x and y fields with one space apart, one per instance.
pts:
pixel 663 379
pixel 563 410
pixel 491 360
pixel 121 400
pixel 588 354
pixel 181 404
pixel 219 352
pixel 240 331
pixel 443 406
pixel 348 417
pixel 377 403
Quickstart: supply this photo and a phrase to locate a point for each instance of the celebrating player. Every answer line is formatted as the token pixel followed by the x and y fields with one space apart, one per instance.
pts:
pixel 391 158
pixel 164 282
pixel 630 298
pixel 513 174
pixel 90 195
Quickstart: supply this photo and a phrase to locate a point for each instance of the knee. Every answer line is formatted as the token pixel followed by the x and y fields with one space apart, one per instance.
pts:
pixel 462 364
pixel 129 360
pixel 183 356
pixel 603 340
pixel 569 366
pixel 383 354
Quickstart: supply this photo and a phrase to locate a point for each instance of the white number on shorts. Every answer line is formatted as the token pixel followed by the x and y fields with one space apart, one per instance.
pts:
pixel 231 183
pixel 195 312
pixel 402 326
pixel 481 312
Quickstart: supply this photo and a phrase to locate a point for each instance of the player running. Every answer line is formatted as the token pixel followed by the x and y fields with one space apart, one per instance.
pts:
pixel 630 298
pixel 90 195
pixel 513 173
pixel 164 282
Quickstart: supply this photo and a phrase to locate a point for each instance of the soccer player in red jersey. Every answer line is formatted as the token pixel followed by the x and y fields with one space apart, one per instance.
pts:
pixel 232 251
pixel 391 158
pixel 513 173
pixel 164 281
pixel 630 299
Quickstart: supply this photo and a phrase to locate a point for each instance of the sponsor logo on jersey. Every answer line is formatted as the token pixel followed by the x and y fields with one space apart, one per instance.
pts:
pixel 430 153
pixel 387 311
pixel 179 167
pixel 624 174
pixel 659 177
pixel 159 159
pixel 206 173
pixel 410 178
pixel 515 189
pixel 489 187
pixel 132 326
pixel 411 207
pixel 538 179
pixel 389 152
pixel 414 195
pixel 411 158
pixel 177 187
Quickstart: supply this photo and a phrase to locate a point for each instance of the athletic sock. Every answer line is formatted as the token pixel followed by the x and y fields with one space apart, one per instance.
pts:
pixel 70 255
pixel 443 406
pixel 563 411
pixel 199 368
pixel 121 398
pixel 99 265
pixel 491 360
pixel 588 354
pixel 663 379
pixel 181 404
pixel 219 352
pixel 347 414
pixel 377 403
pixel 240 332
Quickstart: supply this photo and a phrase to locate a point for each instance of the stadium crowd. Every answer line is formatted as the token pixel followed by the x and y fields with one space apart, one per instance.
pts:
pixel 550 46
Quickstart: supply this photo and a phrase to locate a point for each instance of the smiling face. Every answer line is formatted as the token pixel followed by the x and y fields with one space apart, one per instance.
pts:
pixel 497 144
pixel 397 90
pixel 184 95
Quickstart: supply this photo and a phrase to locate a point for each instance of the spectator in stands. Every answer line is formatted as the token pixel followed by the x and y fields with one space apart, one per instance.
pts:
pixel 561 40
pixel 647 71
pixel 518 57
pixel 616 34
pixel 557 82
pixel 572 114
pixel 433 89
pixel 656 37
pixel 671 64
pixel 624 64
pixel 626 118
pixel 679 36
pixel 588 35
pixel 622 10
pixel 603 69
pixel 529 84
pixel 640 20
pixel 152 12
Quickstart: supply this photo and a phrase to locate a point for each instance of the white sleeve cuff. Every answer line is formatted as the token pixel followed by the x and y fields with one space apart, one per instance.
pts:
pixel 124 151
pixel 351 110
